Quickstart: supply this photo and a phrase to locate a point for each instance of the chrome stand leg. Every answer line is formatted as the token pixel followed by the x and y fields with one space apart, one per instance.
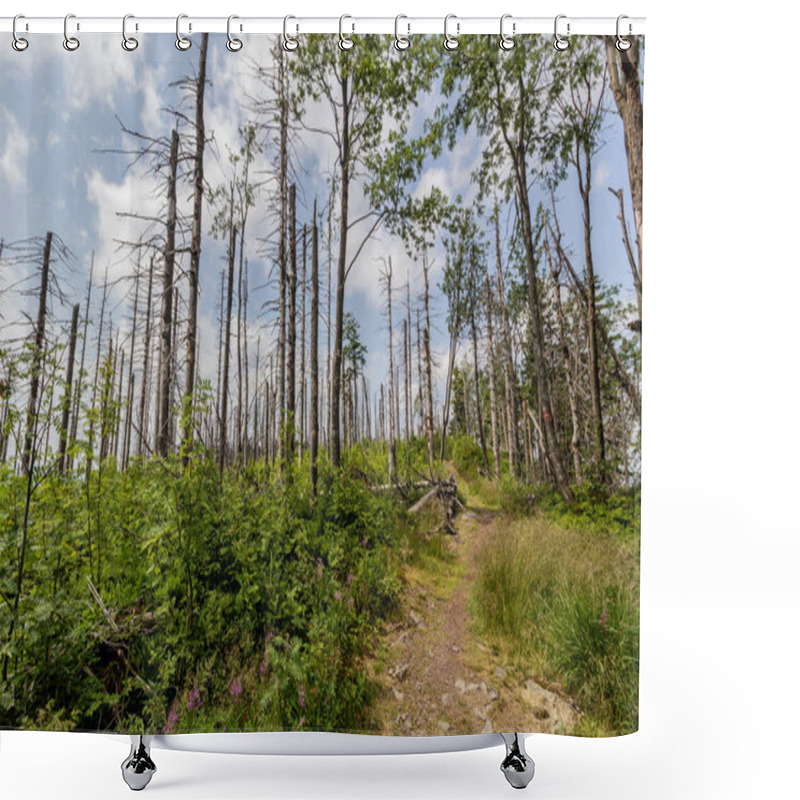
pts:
pixel 517 766
pixel 138 768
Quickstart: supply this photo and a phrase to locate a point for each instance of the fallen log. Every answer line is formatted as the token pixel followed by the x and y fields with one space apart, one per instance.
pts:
pixel 444 494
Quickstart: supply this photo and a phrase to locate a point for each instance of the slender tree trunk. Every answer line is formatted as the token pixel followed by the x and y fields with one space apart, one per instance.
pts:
pixel 165 356
pixel 509 374
pixel 291 378
pixel 392 458
pixel 428 372
pixel 584 186
pixel 314 355
pixel 129 402
pixel 194 265
pixel 571 391
pixel 537 341
pixel 226 354
pixel 478 411
pixel 76 404
pixel 492 379
pixel 303 432
pixel 65 409
pixel 344 158
pixel 28 454
pixel 283 102
pixel 623 70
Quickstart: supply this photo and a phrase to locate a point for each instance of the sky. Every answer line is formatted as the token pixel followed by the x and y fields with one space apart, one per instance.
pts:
pixel 61 115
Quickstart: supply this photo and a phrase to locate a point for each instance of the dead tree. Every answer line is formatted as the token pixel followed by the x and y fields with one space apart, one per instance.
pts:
pixel 194 264
pixel 65 402
pixel 168 278
pixel 314 352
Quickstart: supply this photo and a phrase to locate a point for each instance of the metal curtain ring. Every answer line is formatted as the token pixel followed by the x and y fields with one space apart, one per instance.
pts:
pixel 290 43
pixel 233 44
pixel 345 42
pixel 559 42
pixel 450 42
pixel 128 42
pixel 18 43
pixel 507 42
pixel 71 43
pixel 181 42
pixel 623 44
pixel 401 42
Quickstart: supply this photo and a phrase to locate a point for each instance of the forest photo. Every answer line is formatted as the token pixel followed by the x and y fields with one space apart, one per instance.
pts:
pixel 320 385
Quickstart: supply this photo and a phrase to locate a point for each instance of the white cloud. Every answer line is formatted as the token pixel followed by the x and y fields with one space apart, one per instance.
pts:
pixel 16 147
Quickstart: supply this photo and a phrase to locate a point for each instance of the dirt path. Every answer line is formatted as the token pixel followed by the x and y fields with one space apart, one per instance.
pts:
pixel 435 675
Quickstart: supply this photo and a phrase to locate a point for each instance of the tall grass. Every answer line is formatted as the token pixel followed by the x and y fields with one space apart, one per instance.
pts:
pixel 563 602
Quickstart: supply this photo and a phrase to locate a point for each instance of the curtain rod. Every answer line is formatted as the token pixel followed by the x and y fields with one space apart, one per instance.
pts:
pixel 457 26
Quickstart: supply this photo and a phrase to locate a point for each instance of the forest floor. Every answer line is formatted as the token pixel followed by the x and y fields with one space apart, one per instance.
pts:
pixel 435 675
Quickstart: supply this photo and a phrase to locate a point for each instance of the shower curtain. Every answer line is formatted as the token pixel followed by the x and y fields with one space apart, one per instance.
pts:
pixel 320 384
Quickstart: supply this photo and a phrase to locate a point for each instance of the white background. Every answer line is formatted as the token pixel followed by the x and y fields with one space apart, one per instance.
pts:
pixel 720 599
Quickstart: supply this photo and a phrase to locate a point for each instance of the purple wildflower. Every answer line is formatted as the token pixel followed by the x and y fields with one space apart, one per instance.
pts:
pixel 364 542
pixel 338 596
pixel 301 696
pixel 262 669
pixel 194 699
pixel 172 721
pixel 236 690
pixel 350 579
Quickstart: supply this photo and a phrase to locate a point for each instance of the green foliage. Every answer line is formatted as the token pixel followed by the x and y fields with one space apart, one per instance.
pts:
pixel 222 597
pixel 466 455
pixel 563 603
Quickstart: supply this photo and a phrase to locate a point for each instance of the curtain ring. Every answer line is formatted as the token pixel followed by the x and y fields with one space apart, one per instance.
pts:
pixel 401 42
pixel 290 43
pixel 129 43
pixel 345 42
pixel 507 42
pixel 623 43
pixel 71 43
pixel 18 43
pixel 181 42
pixel 450 42
pixel 233 44
pixel 559 42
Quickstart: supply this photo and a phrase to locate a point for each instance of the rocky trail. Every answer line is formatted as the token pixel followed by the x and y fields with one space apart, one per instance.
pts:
pixel 436 677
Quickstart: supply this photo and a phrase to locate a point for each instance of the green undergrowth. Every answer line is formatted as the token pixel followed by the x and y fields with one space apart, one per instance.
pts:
pixel 557 594
pixel 170 599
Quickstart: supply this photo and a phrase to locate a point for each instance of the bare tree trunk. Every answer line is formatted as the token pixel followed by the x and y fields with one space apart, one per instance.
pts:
pixel 96 381
pixel 329 327
pixel 129 402
pixel 291 378
pixel 73 337
pixel 584 186
pixel 623 71
pixel 226 355
pixel 283 200
pixel 28 454
pixel 537 340
pixel 118 408
pixel 392 458
pixel 344 164
pixel 314 347
pixel 637 277
pixel 194 265
pixel 303 432
pixel 73 431
pixel 492 379
pixel 428 371
pixel 478 411
pixel 165 356
pixel 571 391
pixel 509 374
pixel 420 380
